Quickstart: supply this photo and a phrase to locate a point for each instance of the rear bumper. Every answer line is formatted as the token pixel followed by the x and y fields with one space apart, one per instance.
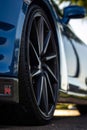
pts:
pixel 9 90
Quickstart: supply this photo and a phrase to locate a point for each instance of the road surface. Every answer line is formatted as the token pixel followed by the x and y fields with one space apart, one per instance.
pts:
pixel 58 123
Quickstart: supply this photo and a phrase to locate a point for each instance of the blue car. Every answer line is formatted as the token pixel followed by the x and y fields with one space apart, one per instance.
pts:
pixel 42 61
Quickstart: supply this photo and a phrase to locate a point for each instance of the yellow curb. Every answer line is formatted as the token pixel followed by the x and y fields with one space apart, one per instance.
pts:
pixel 66 113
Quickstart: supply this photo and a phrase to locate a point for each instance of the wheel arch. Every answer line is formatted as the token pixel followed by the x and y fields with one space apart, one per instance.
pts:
pixel 53 18
pixel 44 4
pixel 52 15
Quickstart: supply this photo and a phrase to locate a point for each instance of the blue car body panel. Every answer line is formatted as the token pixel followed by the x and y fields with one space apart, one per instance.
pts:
pixel 12 16
pixel 10 11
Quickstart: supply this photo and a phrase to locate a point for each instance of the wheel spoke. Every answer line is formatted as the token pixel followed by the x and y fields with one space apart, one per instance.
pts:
pixel 41 33
pixel 50 87
pixel 50 71
pixel 37 33
pixel 39 89
pixel 50 57
pixel 36 55
pixel 39 27
pixel 46 42
pixel 35 72
pixel 45 96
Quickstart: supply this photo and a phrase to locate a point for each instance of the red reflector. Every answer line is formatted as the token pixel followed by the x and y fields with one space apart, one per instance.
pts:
pixel 7 89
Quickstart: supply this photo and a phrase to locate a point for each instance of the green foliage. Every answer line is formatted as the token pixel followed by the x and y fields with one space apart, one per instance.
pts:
pixel 62 106
pixel 65 106
pixel 78 2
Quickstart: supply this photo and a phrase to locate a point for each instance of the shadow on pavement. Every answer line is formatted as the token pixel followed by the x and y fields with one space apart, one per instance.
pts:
pixel 10 120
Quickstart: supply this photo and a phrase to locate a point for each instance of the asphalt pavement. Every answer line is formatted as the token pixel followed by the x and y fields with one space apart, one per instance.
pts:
pixel 66 122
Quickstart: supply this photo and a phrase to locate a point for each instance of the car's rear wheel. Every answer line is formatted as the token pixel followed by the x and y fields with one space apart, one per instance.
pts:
pixel 39 66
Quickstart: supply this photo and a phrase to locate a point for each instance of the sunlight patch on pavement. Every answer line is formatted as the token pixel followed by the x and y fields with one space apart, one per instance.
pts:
pixel 66 113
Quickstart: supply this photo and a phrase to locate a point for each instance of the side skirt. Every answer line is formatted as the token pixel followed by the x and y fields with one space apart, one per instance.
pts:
pixel 71 97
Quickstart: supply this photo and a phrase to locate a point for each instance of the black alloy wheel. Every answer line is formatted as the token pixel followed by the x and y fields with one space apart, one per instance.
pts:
pixel 39 66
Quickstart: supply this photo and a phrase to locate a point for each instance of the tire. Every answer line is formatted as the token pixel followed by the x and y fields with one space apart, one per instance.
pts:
pixel 38 67
pixel 82 109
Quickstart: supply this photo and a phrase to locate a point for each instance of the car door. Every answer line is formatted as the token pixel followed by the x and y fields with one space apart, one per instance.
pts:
pixel 75 52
